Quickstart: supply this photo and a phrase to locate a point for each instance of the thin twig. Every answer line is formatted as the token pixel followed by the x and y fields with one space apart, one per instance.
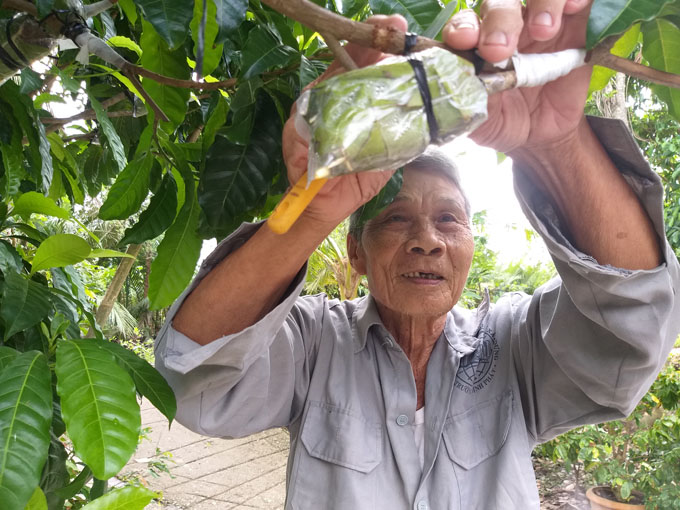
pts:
pixel 339 51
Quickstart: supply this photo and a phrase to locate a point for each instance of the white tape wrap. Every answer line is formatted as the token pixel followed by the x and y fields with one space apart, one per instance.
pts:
pixel 534 69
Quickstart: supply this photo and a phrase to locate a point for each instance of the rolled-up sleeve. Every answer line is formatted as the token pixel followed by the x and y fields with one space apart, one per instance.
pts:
pixel 588 345
pixel 249 381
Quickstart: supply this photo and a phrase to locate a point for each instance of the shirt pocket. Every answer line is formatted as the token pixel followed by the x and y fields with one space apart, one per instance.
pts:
pixel 480 432
pixel 341 437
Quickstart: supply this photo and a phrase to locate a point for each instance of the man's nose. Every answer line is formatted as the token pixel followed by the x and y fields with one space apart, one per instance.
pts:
pixel 425 240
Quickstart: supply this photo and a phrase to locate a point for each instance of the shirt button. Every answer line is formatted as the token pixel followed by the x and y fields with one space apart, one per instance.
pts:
pixel 402 419
pixel 422 505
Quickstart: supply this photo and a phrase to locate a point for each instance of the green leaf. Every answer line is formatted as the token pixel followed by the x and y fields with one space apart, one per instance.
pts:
pixel 212 52
pixel 263 51
pixel 159 58
pixel 109 133
pixel 25 417
pixel 37 501
pixel 129 9
pixel 243 111
pixel 662 50
pixel 623 47
pixel 308 72
pixel 157 217
pixel 7 355
pixel 173 267
pixel 384 198
pixel 626 490
pixel 418 13
pixel 44 7
pixel 120 41
pixel 130 189
pixel 60 250
pixel 127 498
pixel 230 14
pixel 101 253
pixel 98 405
pixel 24 304
pixel 55 474
pixel 10 260
pixel 30 81
pixel 438 24
pixel 34 202
pixel 12 162
pixel 609 17
pixel 170 18
pixel 216 120
pixel 236 178
pixel 150 383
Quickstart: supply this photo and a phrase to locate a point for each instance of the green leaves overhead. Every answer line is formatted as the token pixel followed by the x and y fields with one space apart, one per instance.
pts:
pixel 609 17
pixel 170 18
pixel 662 51
pixel 110 133
pixel 25 417
pixel 130 189
pixel 160 58
pixel 157 217
pixel 33 202
pixel 263 51
pixel 98 406
pixel 24 304
pixel 230 14
pixel 418 13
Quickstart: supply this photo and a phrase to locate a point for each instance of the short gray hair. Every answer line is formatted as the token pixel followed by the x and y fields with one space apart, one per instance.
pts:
pixel 432 159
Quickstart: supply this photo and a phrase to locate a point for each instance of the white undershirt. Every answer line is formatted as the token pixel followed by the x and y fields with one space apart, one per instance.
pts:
pixel 419 434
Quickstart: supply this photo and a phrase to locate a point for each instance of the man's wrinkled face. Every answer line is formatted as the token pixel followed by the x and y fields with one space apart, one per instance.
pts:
pixel 417 252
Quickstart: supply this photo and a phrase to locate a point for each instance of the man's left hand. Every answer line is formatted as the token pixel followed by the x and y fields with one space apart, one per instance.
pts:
pixel 530 117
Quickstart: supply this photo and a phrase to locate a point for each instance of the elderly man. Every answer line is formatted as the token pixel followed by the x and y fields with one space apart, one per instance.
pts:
pixel 401 399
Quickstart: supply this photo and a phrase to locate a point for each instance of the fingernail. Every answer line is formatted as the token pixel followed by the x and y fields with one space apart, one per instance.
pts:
pixel 543 19
pixel 463 25
pixel 496 39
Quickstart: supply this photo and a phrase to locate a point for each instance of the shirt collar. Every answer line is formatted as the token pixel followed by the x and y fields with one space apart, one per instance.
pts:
pixel 460 330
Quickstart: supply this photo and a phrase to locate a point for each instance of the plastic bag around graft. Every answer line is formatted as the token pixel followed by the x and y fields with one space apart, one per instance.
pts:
pixel 374 118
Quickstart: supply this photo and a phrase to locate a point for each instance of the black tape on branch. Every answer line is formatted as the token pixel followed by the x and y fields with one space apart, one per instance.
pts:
pixel 421 80
pixel 410 41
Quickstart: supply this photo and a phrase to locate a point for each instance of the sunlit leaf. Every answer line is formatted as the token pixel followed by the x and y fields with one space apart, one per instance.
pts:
pixel 33 202
pixel 106 253
pixel 662 50
pixel 98 405
pixel 37 501
pixel 60 250
pixel 623 47
pixel 127 498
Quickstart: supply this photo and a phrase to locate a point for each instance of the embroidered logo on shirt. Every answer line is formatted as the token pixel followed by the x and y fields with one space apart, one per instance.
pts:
pixel 478 368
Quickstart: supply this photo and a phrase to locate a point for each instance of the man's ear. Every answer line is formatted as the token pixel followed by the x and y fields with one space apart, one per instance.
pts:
pixel 356 254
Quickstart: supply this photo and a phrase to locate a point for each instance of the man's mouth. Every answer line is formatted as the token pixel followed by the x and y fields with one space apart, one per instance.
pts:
pixel 420 274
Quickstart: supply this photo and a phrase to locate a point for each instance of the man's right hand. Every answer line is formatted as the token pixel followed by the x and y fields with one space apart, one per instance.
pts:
pixel 340 196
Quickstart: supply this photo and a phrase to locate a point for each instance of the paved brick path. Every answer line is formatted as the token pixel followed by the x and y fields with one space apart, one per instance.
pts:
pixel 210 473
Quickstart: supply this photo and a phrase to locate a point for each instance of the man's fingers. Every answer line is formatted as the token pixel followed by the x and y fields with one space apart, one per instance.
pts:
pixel 500 30
pixel 544 18
pixel 462 30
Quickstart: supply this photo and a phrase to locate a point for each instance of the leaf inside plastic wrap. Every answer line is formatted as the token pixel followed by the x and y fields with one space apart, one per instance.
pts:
pixel 374 118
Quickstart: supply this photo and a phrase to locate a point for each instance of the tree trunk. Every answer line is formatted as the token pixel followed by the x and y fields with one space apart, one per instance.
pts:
pixel 115 287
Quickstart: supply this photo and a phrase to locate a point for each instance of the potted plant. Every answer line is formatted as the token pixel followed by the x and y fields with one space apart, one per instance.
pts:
pixel 635 461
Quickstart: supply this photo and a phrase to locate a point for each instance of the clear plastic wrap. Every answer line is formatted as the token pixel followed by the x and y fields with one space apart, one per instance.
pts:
pixel 375 117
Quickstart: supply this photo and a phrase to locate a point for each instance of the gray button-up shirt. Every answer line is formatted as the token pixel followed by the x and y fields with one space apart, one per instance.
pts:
pixel 583 349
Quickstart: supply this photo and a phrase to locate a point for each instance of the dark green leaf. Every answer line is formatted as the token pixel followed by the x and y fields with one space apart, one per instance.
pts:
pixel 7 355
pixel 10 260
pixel 55 474
pixel 150 383
pixel 130 189
pixel 110 134
pixel 216 120
pixel 33 202
pixel 157 217
pixel 30 81
pixel 25 416
pixel 170 18
pixel 230 14
pixel 44 7
pixel 12 163
pixel 609 17
pixel 236 178
pixel 60 250
pixel 24 304
pixel 384 198
pixel 308 72
pixel 243 111
pixel 263 51
pixel 98 405
pixel 418 13
pixel 662 50
pixel 174 266
pixel 159 58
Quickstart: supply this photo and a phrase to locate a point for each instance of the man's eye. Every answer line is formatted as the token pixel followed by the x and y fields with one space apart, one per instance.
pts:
pixel 396 218
pixel 447 218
